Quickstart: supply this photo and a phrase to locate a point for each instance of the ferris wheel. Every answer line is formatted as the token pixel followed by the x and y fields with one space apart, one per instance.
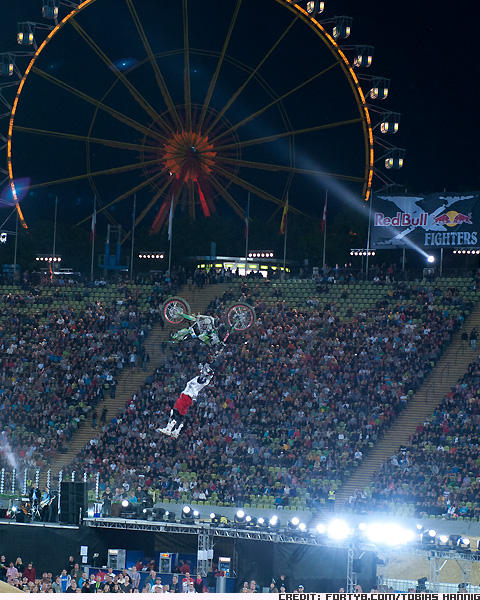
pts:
pixel 192 105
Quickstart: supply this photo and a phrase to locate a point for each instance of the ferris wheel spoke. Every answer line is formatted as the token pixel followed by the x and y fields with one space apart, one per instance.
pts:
pixel 252 74
pixel 113 171
pixel 254 189
pixel 214 79
pixel 191 201
pixel 286 169
pixel 273 138
pixel 147 209
pixel 259 112
pixel 123 196
pixel 99 203
pixel 108 109
pixel 158 74
pixel 80 138
pixel 227 197
pixel 120 76
pixel 186 72
pixel 151 204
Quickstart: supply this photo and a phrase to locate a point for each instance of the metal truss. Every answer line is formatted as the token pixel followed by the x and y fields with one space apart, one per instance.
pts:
pixel 214 531
pixel 280 537
pixel 205 552
pixel 351 575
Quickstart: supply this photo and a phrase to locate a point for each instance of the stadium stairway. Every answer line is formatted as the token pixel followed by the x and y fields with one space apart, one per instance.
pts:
pixel 451 366
pixel 127 382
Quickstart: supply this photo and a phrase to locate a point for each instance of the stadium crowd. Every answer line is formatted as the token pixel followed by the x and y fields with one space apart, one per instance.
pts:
pixel 293 406
pixel 62 351
pixel 74 579
pixel 438 472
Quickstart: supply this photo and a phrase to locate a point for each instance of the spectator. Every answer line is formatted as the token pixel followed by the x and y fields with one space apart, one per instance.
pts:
pixel 3 568
pixel 57 585
pixel 135 578
pixel 473 338
pixel 150 580
pixel 65 580
pixel 186 581
pixel 12 572
pixel 175 587
pixel 198 584
pixel 29 573
pixel 76 573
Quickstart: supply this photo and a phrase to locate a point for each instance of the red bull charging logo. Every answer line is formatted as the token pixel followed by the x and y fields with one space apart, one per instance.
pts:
pixel 405 219
pixel 452 218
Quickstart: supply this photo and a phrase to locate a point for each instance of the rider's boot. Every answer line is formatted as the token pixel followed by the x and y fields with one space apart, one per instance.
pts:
pixel 175 433
pixel 172 423
pixel 215 339
pixel 205 337
pixel 180 335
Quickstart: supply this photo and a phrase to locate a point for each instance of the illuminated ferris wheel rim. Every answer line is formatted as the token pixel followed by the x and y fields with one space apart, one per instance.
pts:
pixel 327 39
pixel 57 27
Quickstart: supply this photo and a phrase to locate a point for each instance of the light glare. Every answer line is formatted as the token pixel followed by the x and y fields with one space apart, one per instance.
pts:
pixel 338 529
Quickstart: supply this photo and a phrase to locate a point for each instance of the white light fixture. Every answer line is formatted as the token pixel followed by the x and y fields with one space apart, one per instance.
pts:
pixel 338 529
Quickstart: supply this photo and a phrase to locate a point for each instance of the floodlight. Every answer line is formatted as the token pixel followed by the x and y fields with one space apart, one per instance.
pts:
pixel 463 545
pixel 187 515
pixel 294 523
pixel 428 537
pixel 338 529
pixel 388 534
pixel 274 522
pixel 442 540
pixel 240 516
pixel 261 522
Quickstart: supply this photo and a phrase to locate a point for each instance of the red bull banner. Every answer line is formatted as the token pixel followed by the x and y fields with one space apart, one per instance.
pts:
pixel 434 220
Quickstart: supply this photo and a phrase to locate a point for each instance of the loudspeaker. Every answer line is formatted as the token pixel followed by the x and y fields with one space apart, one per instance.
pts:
pixel 73 501
pixel 357 565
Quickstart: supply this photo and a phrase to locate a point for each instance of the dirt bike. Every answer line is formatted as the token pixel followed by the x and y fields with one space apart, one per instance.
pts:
pixel 176 310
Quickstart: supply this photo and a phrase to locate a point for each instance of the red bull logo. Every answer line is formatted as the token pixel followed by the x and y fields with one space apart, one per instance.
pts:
pixel 452 218
pixel 401 220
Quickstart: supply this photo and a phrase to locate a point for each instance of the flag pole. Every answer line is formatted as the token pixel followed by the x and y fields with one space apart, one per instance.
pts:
pixel 325 228
pixel 92 233
pixel 15 251
pixel 133 234
pixel 285 242
pixel 247 231
pixel 55 228
pixel 170 236
pixel 368 236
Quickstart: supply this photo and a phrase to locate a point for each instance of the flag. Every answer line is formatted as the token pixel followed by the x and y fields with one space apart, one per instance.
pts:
pixel 247 216
pixel 170 221
pixel 324 220
pixel 283 224
pixel 94 225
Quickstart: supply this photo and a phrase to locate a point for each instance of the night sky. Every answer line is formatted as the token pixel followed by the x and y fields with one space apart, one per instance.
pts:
pixel 426 49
